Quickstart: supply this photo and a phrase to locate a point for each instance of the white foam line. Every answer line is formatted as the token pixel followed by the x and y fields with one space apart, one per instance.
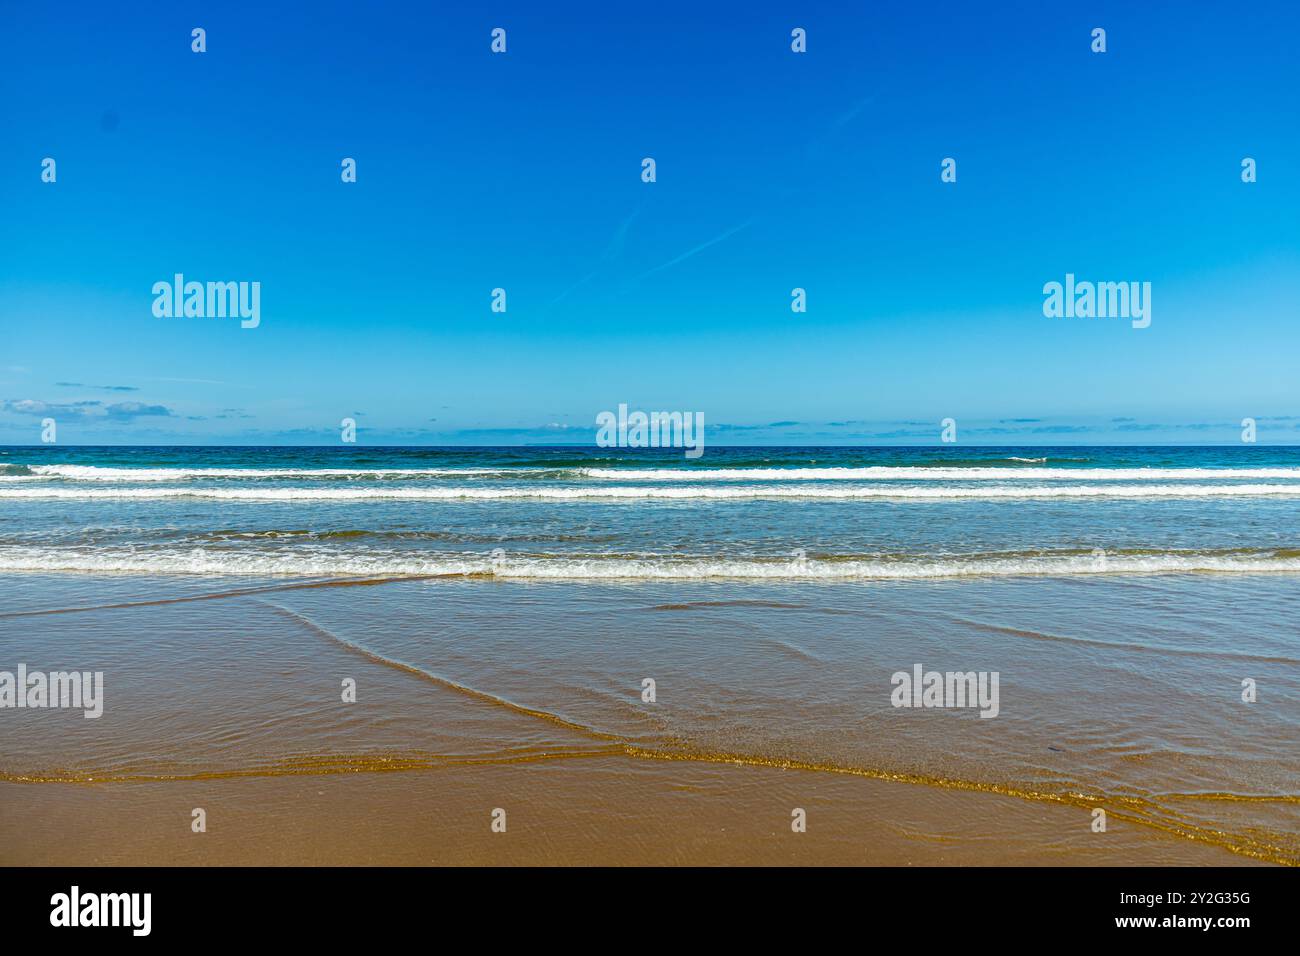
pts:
pixel 106 473
pixel 619 568
pixel 881 472
pixel 901 473
pixel 650 492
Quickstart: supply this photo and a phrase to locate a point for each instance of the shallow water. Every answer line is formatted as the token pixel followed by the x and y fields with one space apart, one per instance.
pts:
pixel 1142 718
pixel 772 629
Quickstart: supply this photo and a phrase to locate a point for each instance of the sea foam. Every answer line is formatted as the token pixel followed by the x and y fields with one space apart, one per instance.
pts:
pixel 650 492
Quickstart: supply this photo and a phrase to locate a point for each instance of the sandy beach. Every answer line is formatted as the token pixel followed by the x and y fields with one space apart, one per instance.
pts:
pixel 474 696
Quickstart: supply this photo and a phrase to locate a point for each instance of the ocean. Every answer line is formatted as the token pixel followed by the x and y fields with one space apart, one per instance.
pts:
pixel 739 513
pixel 500 610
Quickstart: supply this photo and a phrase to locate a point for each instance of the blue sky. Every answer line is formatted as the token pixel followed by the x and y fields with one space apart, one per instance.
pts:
pixel 775 170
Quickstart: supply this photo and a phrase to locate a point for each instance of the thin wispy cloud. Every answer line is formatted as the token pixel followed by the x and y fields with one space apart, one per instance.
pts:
pixel 581 282
pixel 696 250
pixel 99 388
pixel 616 243
pixel 612 252
pixel 848 116
pixel 85 410
pixel 199 381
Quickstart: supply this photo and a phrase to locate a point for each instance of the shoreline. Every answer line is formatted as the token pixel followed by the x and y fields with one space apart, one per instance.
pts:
pixel 770 696
pixel 561 815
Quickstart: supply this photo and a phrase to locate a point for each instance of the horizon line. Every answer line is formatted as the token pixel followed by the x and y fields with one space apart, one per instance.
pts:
pixel 344 447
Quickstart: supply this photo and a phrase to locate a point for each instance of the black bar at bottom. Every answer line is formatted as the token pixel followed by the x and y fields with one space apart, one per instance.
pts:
pixel 989 905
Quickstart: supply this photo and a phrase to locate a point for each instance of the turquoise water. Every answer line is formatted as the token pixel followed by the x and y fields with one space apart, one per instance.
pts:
pixel 593 513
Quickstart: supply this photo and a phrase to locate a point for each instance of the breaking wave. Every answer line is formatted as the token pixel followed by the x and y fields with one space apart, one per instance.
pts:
pixel 639 567
pixel 647 492
pixel 99 473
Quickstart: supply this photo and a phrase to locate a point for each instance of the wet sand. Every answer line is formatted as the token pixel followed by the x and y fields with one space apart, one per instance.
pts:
pixel 477 695
pixel 593 811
